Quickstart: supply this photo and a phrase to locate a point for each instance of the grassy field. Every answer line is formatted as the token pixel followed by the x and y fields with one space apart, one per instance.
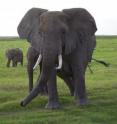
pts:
pixel 101 90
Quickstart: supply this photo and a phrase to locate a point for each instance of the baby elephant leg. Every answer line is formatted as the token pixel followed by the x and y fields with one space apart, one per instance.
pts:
pixel 8 63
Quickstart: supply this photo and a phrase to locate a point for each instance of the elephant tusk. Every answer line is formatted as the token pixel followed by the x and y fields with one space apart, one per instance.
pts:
pixel 38 61
pixel 60 62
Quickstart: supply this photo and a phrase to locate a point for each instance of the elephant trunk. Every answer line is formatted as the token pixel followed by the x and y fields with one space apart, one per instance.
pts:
pixel 45 74
pixel 47 66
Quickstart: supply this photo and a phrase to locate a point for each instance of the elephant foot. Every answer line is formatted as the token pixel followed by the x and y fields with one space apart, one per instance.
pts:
pixel 82 102
pixel 52 105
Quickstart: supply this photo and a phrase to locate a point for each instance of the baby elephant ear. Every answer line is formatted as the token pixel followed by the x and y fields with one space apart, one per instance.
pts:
pixel 27 23
pixel 81 25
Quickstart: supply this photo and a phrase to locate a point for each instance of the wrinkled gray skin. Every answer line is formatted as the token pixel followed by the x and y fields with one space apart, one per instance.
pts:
pixel 15 55
pixel 65 73
pixel 68 32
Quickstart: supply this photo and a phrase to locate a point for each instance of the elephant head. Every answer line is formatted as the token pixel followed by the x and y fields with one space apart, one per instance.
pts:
pixel 54 33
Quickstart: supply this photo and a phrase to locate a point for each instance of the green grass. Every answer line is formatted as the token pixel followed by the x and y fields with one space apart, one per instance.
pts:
pixel 101 90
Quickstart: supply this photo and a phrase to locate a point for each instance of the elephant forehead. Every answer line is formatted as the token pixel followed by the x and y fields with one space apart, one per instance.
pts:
pixel 51 16
pixel 51 21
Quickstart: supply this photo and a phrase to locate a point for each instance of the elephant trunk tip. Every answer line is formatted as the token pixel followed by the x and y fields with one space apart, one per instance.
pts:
pixel 22 104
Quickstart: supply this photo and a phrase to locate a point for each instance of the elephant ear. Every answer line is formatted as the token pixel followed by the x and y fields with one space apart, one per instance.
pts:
pixel 29 22
pixel 28 27
pixel 81 25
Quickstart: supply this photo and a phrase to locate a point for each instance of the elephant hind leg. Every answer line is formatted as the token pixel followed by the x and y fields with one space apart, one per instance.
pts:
pixel 14 63
pixel 68 80
pixel 80 89
pixel 30 75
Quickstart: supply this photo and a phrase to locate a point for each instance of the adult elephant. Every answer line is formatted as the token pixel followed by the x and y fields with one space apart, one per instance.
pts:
pixel 66 35
pixel 65 73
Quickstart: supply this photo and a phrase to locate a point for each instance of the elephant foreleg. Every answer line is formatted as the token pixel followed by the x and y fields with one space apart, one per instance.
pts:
pixel 30 75
pixel 8 63
pixel 52 92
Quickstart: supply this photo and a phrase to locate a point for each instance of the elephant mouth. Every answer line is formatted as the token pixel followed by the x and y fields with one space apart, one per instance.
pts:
pixel 40 59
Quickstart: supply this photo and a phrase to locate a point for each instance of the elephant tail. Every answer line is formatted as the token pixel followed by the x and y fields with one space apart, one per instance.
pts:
pixel 101 62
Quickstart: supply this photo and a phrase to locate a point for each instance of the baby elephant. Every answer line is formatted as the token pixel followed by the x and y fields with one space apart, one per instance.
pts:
pixel 15 55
